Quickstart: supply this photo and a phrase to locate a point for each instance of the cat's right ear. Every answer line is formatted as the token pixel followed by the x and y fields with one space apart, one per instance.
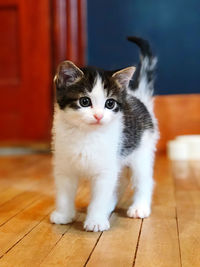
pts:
pixel 123 77
pixel 67 73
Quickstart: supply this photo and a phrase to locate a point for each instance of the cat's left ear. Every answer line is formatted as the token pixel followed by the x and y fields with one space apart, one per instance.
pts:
pixel 123 77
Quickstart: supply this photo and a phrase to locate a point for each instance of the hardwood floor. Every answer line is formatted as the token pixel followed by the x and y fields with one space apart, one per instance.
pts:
pixel 170 237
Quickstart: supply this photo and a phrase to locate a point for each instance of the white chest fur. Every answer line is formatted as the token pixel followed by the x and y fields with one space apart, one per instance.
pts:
pixel 87 152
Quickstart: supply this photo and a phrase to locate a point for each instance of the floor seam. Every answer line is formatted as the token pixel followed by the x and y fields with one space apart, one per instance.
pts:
pixel 62 235
pixel 12 198
pixel 18 212
pixel 138 241
pixel 23 236
pixel 176 214
pixel 92 250
pixel 179 244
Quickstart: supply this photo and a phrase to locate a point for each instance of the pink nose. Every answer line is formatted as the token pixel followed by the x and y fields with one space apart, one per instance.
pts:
pixel 98 117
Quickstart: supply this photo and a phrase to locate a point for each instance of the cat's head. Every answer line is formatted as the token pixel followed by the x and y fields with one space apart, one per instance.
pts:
pixel 90 97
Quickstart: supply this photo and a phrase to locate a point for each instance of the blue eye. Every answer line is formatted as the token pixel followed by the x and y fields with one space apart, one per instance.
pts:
pixel 110 103
pixel 85 102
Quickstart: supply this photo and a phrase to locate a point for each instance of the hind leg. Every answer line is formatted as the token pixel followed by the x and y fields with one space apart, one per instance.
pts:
pixel 141 164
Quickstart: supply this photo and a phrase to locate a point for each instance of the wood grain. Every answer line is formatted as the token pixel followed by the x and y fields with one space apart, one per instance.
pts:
pixel 169 237
pixel 74 242
pixel 39 242
pixel 8 193
pixel 16 228
pixel 15 205
pixel 159 242
pixel 189 229
pixel 117 247
pixel 188 216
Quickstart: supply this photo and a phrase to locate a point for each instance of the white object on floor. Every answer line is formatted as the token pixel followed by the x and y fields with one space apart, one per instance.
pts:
pixel 184 147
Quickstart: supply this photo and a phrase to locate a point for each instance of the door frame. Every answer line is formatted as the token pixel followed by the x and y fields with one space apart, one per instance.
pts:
pixel 69 31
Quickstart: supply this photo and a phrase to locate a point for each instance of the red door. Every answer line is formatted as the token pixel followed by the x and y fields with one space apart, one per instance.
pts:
pixel 34 37
pixel 25 70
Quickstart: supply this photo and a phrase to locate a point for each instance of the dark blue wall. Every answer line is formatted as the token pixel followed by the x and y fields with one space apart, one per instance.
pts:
pixel 172 27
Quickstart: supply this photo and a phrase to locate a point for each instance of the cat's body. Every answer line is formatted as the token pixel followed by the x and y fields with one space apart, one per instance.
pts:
pixel 103 122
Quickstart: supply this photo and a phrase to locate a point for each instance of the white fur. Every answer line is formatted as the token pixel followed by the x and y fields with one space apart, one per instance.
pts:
pixel 141 162
pixel 92 150
pixel 145 88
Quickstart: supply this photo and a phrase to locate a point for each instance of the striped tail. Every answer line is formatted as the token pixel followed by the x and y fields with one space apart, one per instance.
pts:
pixel 143 79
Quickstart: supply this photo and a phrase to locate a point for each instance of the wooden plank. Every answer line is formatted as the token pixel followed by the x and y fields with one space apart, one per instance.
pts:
pixel 159 243
pixel 39 242
pixel 69 245
pixel 186 175
pixel 74 248
pixel 15 205
pixel 47 235
pixel 20 225
pixel 189 229
pixel 24 182
pixel 24 168
pixel 117 246
pixel 78 242
pixel 188 214
pixel 30 173
pixel 8 193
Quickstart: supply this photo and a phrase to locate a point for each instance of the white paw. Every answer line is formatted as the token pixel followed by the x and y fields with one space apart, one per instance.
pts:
pixel 61 218
pixel 139 211
pixel 97 225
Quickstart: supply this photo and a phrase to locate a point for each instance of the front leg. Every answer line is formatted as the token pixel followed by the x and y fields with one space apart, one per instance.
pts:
pixel 65 208
pixel 102 203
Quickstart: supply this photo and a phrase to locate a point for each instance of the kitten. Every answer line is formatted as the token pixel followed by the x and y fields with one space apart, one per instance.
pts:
pixel 103 122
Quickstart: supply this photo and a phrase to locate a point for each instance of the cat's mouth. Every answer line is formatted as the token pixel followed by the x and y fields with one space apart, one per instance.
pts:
pixel 96 123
